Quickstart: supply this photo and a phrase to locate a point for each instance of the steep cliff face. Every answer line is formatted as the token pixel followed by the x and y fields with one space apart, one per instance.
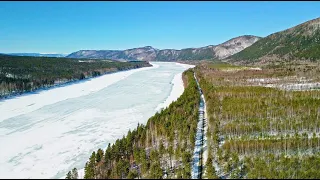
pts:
pixel 234 46
pixel 167 55
pixel 149 53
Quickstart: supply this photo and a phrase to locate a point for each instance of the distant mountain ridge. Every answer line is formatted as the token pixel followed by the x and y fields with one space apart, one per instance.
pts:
pixel 149 53
pixel 37 54
pixel 301 42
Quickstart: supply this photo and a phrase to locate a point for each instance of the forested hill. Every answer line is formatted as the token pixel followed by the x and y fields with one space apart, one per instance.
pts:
pixel 19 74
pixel 301 42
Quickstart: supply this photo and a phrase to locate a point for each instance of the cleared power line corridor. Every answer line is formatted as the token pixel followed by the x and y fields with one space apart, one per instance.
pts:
pixel 197 166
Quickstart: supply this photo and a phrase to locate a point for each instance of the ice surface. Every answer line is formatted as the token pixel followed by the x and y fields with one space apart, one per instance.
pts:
pixel 46 134
pixel 27 103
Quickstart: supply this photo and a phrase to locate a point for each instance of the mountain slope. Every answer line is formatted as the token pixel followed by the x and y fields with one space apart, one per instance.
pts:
pixel 144 53
pixel 149 53
pixel 301 42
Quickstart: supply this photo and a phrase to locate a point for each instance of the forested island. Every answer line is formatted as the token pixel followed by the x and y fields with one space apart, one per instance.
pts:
pixel 20 74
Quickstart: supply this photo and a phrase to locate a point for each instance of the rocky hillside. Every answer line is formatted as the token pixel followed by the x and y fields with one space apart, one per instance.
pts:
pixel 144 53
pixel 301 42
pixel 149 53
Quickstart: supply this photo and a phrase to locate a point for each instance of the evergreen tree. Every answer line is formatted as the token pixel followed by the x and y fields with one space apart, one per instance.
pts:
pixel 99 156
pixel 210 170
pixel 75 173
pixel 69 175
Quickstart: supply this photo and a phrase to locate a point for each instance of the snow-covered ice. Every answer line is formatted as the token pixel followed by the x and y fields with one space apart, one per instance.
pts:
pixel 28 103
pixel 46 134
pixel 177 88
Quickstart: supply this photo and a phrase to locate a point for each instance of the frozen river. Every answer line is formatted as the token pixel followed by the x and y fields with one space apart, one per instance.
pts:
pixel 45 134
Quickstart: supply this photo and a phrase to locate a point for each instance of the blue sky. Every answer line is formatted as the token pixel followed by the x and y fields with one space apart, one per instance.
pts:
pixel 65 27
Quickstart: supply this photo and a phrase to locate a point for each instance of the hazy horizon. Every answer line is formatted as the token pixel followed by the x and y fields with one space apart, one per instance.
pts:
pixel 66 27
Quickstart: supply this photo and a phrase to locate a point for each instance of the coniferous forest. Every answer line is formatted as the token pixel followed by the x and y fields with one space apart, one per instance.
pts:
pixel 19 74
pixel 256 131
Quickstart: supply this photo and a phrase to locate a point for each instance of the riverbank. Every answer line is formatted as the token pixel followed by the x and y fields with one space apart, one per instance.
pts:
pixel 49 133
pixel 63 84
pixel 156 128
pixel 176 91
pixel 36 100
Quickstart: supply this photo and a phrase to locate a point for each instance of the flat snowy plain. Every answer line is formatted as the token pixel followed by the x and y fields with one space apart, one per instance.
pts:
pixel 46 134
